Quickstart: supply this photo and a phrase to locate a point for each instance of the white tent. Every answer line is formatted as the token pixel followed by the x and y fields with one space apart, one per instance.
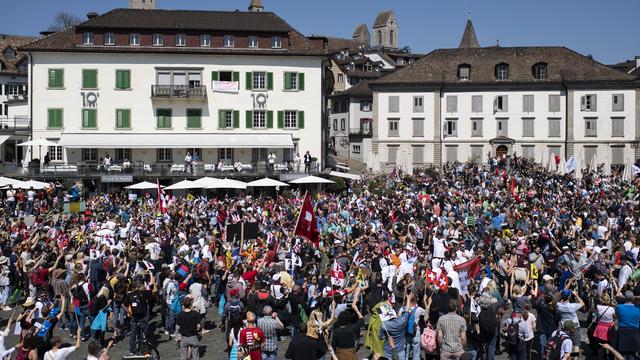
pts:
pixel 184 185
pixel 266 182
pixel 345 175
pixel 37 185
pixel 408 162
pixel 311 180
pixel 5 181
pixel 593 166
pixel 207 182
pixel 145 185
pixel 552 163
pixel 228 184
pixel 38 142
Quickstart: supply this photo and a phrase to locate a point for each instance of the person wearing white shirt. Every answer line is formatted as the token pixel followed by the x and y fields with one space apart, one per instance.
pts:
pixel 624 274
pixel 57 353
pixel 439 248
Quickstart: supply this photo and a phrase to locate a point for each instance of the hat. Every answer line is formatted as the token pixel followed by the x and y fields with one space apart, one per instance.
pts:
pixel 569 325
pixel 56 273
pixel 3 260
pixel 547 277
pixel 28 302
pixel 275 277
pixel 566 294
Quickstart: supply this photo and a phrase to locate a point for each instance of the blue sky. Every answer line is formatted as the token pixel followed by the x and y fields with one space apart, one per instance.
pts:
pixel 607 29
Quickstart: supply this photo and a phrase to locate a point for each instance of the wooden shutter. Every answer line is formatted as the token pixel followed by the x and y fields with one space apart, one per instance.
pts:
pixel 249 81
pixel 280 119
pixel 301 81
pixel 236 119
pixel 270 119
pixel 594 102
pixel 287 80
pixel 505 103
pixel 269 81
pixel 249 119
pixel 583 103
pixel 194 118
pixel 300 119
pixel 222 119
pixel 236 76
pixel 215 76
pixel 89 79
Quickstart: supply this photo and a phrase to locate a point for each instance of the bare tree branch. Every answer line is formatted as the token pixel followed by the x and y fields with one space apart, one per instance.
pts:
pixel 64 20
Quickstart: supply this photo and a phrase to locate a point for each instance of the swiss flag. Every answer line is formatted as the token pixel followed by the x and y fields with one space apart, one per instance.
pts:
pixel 307 227
pixel 432 277
pixel 162 198
pixel 337 275
pixel 443 283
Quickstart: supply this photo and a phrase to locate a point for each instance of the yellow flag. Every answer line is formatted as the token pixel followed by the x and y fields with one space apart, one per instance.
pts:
pixel 534 272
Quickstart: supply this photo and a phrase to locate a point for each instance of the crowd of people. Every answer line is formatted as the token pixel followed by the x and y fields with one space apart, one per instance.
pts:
pixel 463 262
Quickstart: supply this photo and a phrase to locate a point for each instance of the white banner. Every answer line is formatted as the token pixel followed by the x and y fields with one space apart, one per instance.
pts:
pixel 225 86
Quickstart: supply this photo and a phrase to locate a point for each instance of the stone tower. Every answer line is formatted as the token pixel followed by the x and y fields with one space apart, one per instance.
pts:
pixel 469 38
pixel 142 4
pixel 362 36
pixel 256 6
pixel 385 30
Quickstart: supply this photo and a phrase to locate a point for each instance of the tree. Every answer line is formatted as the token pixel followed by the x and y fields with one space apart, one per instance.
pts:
pixel 64 20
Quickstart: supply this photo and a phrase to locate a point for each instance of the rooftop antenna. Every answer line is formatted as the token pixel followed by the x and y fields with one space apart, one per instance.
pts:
pixel 469 16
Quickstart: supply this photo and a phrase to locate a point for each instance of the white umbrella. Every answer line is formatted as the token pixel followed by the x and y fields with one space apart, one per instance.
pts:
pixel 38 142
pixel 627 174
pixel 578 171
pixel 207 182
pixel 552 163
pixel 37 185
pixel 145 185
pixel 346 175
pixel 594 164
pixel 266 182
pixel 228 184
pixel 184 185
pixel 311 180
pixel 5 181
pixel 606 169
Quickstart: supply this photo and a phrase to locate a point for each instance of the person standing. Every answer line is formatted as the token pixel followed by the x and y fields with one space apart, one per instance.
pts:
pixel 11 200
pixel 452 333
pixel 251 338
pixel 345 333
pixel 188 163
pixel 270 324
pixel 188 324
pixel 307 162
pixel 628 315
pixel 393 331
pixel 568 312
pixel 137 303
pixel 297 160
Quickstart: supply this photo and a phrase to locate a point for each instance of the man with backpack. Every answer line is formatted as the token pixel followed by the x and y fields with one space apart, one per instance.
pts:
pixel 137 304
pixel 413 328
pixel 488 320
pixel 515 331
pixel 81 297
pixel 560 345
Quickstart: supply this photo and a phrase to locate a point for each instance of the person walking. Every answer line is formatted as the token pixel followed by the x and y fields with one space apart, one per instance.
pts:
pixel 188 325
pixel 270 324
pixel 137 303
pixel 393 332
pixel 628 339
pixel 451 333
pixel 251 339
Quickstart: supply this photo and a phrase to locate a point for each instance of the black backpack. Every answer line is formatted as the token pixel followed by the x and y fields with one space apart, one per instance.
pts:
pixel 488 319
pixel 79 293
pixel 512 335
pixel 138 304
pixel 553 347
pixel 235 308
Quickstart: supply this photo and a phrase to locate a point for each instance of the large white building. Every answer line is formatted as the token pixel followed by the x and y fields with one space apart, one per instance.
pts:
pixel 151 85
pixel 466 103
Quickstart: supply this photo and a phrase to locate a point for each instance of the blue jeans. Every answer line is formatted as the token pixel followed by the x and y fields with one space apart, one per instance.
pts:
pixel 401 352
pixel 491 346
pixel 269 355
pixel 81 321
pixel 170 323
pixel 543 341
pixel 119 313
pixel 137 326
pixel 414 344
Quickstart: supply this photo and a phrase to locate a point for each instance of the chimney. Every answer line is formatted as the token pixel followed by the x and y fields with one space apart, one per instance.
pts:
pixel 637 62
pixel 256 6
pixel 91 15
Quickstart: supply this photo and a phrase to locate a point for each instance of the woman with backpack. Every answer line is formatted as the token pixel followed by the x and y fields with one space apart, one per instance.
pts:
pixel 346 331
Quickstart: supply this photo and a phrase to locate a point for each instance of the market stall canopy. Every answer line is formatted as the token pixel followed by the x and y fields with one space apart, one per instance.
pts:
pixel 266 182
pixel 145 185
pixel 5 181
pixel 176 140
pixel 311 180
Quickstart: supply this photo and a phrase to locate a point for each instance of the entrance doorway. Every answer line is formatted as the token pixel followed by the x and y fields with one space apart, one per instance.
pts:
pixel 501 151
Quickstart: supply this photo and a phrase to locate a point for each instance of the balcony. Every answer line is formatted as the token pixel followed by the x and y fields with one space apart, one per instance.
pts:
pixel 15 124
pixel 178 92
pixel 361 132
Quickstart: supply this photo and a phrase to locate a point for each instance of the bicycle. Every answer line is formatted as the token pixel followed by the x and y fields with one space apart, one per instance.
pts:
pixel 144 348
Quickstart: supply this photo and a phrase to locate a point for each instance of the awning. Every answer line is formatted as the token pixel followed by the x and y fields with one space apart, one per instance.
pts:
pixel 173 140
pixel 345 175
pixel 3 138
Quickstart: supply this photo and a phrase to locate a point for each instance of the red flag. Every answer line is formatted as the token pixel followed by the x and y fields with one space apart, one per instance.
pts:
pixel 432 277
pixel 513 186
pixel 307 227
pixel 472 267
pixel 443 282
pixel 162 201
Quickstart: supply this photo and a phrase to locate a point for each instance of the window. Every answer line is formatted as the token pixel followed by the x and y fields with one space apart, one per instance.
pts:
pixel 365 126
pixel 355 149
pixel 205 40
pixel 591 127
pixel 502 72
pixel 502 127
pixel 258 155
pixel 87 38
pixel 158 39
pixel 56 78
pixel 9 54
pixel 134 39
pixel 418 104
pixel 226 76
pixel 527 103
pixel 343 124
pixel 418 127
pixel 617 102
pixel 554 103
pixel 452 103
pixel 229 41
pixel 451 128
pixel 259 119
pixel 589 102
pixel 253 41
pixel 89 78
pixel 393 127
pixel 394 104
pixel 528 151
pixel 617 127
pixel 55 153
pixel 540 71
pixel 259 81
pixel 228 119
pixel 122 154
pixel 500 103
pixel 379 37
pixel 54 118
pixel 89 118
pixel 418 154
pixel 476 103
pixel 589 153
pixel 335 124
pixel 554 127
pixel 13 89
pixel 528 127
pixel 123 118
pixel 194 118
pixel 340 78
pixel 464 72
pixel 90 155
pixel 293 81
pixel 163 118
pixel 617 155
pixel 181 40
pixel 276 42
pixel 476 127
pixel 226 155
pixel 476 153
pixel 291 119
pixel 123 79
pixel 452 153
pixel 392 153
pixel 164 155
pixel 367 67
pixel 179 78
pixel 109 39
pixel 365 105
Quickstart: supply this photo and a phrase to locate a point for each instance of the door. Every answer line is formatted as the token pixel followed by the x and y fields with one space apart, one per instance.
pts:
pixel 501 151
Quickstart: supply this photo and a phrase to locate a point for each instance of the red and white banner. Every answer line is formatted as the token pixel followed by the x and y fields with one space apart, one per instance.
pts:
pixel 225 86
pixel 307 227
pixel 467 270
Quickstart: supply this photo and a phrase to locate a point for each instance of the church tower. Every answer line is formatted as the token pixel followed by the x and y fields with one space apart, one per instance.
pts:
pixel 385 30
pixel 362 36
pixel 469 38
pixel 142 4
pixel 256 6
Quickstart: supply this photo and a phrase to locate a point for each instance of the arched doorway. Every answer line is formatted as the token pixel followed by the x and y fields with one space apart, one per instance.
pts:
pixel 502 151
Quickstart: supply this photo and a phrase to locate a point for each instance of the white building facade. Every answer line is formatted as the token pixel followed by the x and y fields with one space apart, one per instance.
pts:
pixel 229 91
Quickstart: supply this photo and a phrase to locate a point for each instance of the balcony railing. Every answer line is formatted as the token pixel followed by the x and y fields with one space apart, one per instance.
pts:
pixel 178 91
pixel 15 124
pixel 361 132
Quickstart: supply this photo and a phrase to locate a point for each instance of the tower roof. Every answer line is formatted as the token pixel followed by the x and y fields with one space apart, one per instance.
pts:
pixel 361 29
pixel 469 38
pixel 382 18
pixel 256 4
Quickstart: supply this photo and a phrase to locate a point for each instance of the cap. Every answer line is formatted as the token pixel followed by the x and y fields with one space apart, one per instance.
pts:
pixel 275 277
pixel 569 325
pixel 547 277
pixel 566 294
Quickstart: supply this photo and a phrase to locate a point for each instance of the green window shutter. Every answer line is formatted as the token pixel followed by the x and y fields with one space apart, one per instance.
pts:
pixel 52 78
pixel 270 119
pixel 280 119
pixel 236 119
pixel 56 78
pixel 164 118
pixel 54 118
pixel 249 81
pixel 119 79
pixel 301 81
pixel 89 79
pixel 194 118
pixel 249 120
pixel 215 76
pixel 123 79
pixel 269 81
pixel 300 119
pixel 287 81
pixel 123 118
pixel 236 76
pixel 222 119
pixel 89 118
